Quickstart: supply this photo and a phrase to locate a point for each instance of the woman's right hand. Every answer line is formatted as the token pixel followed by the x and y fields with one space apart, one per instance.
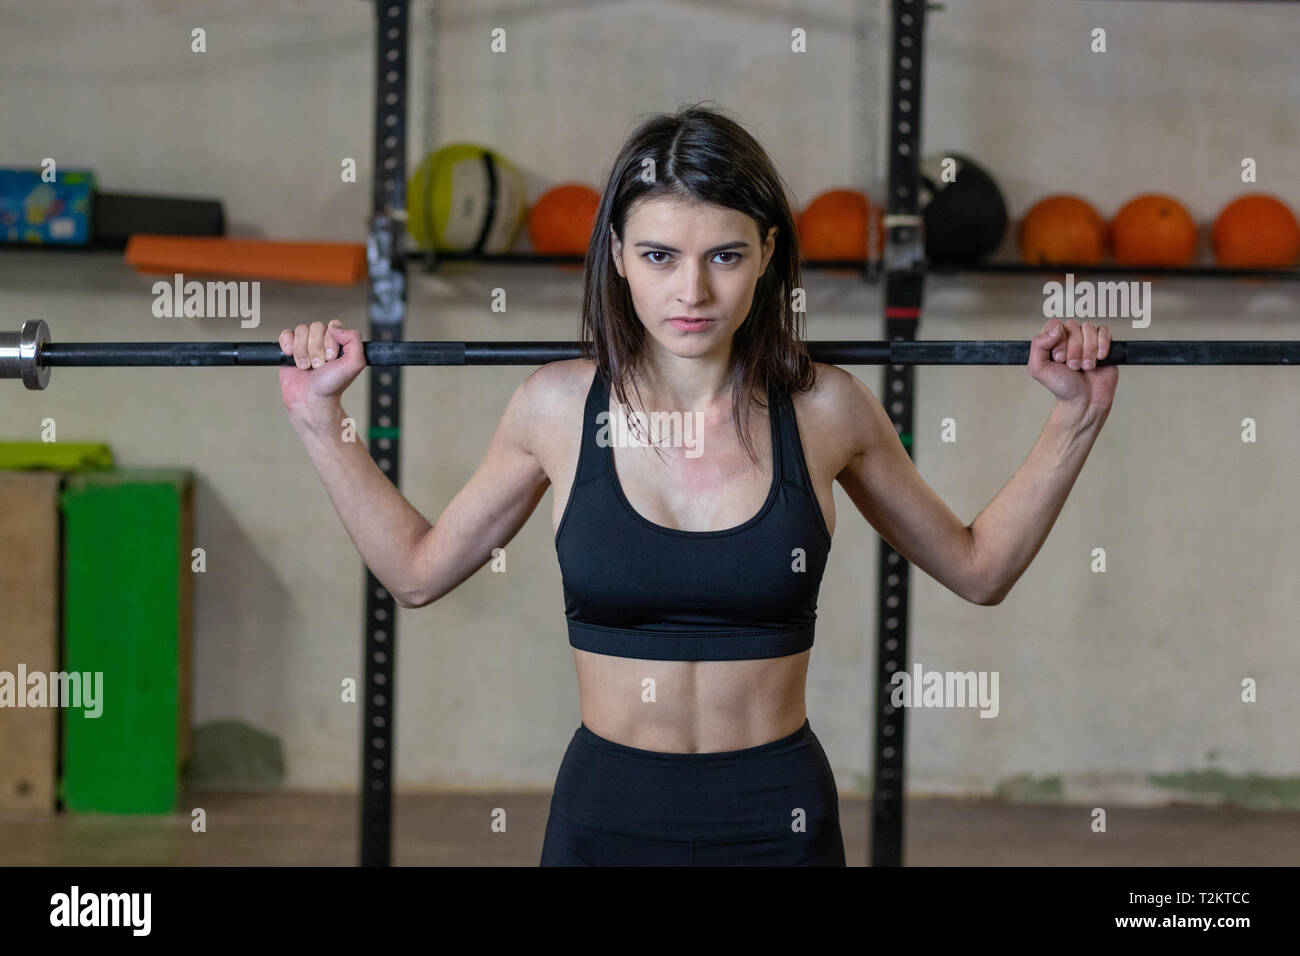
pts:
pixel 320 374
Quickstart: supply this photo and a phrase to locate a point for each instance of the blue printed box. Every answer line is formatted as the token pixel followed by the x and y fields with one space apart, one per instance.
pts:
pixel 34 211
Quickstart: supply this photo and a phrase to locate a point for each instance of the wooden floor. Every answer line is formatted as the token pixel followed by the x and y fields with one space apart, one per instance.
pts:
pixel 312 829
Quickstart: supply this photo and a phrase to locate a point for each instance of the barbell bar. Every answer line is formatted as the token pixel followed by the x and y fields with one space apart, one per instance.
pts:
pixel 29 354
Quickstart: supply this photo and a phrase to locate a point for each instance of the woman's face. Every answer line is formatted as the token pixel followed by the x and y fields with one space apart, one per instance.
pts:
pixel 694 260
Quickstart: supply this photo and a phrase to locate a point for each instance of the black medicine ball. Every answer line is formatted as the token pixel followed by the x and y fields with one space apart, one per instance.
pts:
pixel 965 218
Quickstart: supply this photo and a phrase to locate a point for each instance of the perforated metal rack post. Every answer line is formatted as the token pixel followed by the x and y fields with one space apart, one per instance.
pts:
pixel 904 282
pixel 386 310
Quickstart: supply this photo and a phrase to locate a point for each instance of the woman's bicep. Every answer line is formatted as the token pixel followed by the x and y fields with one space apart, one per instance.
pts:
pixel 492 506
pixel 886 488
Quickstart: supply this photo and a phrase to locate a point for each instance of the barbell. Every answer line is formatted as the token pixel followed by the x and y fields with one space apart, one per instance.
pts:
pixel 29 354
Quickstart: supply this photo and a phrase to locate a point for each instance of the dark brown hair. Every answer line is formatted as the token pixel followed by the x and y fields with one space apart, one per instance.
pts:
pixel 699 155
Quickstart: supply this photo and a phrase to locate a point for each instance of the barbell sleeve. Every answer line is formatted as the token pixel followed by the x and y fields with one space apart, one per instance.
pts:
pixel 22 354
pixel 29 354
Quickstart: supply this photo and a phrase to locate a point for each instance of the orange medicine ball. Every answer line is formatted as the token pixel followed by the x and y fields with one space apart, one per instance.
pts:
pixel 1153 230
pixel 834 226
pixel 1062 229
pixel 1256 231
pixel 561 220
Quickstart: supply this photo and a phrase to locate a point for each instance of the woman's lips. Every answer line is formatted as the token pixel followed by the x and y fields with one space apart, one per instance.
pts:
pixel 690 325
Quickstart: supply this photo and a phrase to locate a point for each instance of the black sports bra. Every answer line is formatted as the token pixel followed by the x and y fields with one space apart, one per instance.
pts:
pixel 636 589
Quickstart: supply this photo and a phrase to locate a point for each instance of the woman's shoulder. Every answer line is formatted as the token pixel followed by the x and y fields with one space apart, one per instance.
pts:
pixel 838 409
pixel 547 409
pixel 556 387
pixel 834 392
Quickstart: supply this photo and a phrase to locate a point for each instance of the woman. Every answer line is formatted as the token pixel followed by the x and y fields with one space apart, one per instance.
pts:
pixel 691 567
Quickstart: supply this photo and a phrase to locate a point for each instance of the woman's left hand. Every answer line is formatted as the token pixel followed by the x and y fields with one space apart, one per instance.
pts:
pixel 1064 358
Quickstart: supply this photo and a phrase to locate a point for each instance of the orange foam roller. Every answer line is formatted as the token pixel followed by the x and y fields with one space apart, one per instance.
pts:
pixel 330 263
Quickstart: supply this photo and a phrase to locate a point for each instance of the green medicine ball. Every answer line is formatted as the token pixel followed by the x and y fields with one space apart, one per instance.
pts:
pixel 465 198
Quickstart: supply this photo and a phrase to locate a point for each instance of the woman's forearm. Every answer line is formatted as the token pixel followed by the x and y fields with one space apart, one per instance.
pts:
pixel 1009 531
pixel 382 524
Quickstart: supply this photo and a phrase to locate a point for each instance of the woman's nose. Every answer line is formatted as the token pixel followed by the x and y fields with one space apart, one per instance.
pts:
pixel 694 287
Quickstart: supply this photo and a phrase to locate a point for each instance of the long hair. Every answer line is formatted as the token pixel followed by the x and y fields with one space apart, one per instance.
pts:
pixel 699 155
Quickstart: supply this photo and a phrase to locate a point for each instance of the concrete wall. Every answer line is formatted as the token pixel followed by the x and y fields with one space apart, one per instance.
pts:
pixel 1106 680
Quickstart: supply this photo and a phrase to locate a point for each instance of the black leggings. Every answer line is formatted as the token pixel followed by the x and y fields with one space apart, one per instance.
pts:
pixel 770 805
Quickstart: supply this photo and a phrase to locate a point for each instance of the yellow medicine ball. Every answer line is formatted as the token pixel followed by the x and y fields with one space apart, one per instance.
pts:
pixel 465 198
